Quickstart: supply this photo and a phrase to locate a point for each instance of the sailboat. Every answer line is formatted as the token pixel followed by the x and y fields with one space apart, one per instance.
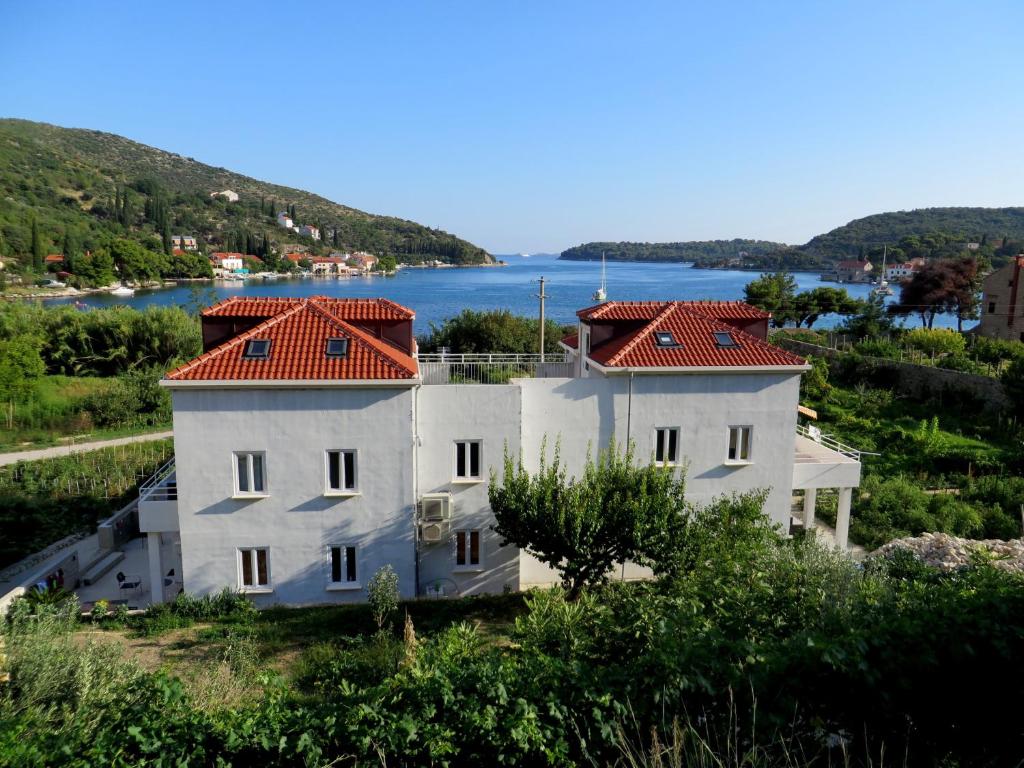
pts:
pixel 601 293
pixel 882 289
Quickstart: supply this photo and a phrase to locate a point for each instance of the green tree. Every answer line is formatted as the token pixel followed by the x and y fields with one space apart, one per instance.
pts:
pixel 96 268
pixel 491 331
pixel 582 528
pixel 773 292
pixel 808 306
pixel 37 247
pixel 870 321
pixel 21 366
pixel 387 264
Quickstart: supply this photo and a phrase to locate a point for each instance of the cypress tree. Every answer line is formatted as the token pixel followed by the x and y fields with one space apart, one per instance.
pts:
pixel 37 247
pixel 165 235
pixel 291 213
pixel 117 203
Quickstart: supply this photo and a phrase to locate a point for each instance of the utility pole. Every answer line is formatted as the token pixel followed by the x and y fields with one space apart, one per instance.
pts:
pixel 541 296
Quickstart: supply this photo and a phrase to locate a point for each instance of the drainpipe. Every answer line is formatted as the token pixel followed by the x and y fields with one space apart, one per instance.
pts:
pixel 416 485
pixel 629 410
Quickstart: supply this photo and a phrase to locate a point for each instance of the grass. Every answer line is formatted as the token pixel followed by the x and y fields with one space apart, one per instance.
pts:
pixel 56 413
pixel 281 638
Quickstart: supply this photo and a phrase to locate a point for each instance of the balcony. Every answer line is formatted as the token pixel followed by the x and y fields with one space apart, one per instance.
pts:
pixel 158 501
pixel 823 462
pixel 488 368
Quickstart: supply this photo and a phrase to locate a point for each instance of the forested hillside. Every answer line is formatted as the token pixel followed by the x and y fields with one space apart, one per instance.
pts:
pixel 82 189
pixel 999 232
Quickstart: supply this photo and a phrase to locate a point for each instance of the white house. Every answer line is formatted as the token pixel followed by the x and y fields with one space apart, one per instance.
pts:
pixel 314 444
pixel 898 273
pixel 227 262
pixel 309 230
pixel 284 220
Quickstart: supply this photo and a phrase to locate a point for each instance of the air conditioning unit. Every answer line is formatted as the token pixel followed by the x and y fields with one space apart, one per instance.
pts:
pixel 433 533
pixel 435 507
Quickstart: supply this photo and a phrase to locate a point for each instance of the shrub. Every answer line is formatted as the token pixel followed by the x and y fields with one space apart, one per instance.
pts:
pixel 936 341
pixel 382 594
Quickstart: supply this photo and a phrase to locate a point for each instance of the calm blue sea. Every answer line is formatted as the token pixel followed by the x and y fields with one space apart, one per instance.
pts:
pixel 435 294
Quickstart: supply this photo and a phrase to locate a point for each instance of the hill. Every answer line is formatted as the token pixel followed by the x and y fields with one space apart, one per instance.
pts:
pixel 925 231
pixel 88 187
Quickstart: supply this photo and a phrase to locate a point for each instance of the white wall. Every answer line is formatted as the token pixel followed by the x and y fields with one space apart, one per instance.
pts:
pixel 296 520
pixel 467 412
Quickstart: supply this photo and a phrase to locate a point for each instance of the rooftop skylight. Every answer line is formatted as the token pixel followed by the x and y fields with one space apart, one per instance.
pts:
pixel 725 340
pixel 336 347
pixel 256 349
pixel 665 339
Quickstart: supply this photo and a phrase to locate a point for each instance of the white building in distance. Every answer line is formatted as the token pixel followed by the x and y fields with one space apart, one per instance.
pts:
pixel 284 220
pixel 315 445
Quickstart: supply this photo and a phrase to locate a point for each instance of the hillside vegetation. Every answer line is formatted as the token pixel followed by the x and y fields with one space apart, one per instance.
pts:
pixel 84 189
pixel 999 231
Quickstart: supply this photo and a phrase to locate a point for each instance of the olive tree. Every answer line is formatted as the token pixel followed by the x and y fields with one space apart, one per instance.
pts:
pixel 582 527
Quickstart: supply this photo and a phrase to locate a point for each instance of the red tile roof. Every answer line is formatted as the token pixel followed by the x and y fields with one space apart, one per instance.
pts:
pixel 572 340
pixel 342 309
pixel 298 330
pixel 648 310
pixel 54 258
pixel 692 325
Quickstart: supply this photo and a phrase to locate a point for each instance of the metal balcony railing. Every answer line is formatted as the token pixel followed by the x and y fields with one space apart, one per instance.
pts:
pixel 491 368
pixel 162 486
pixel 813 433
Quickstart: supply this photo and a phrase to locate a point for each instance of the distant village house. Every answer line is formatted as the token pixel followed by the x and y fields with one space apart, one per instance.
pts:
pixel 1002 303
pixel 309 231
pixel 184 242
pixel 854 271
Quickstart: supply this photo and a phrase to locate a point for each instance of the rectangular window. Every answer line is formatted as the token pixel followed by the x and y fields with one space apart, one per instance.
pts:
pixel 341 471
pixel 991 307
pixel 739 443
pixel 467 549
pixel 254 568
pixel 343 565
pixel 250 473
pixel 725 340
pixel 468 460
pixel 666 445
pixel 256 349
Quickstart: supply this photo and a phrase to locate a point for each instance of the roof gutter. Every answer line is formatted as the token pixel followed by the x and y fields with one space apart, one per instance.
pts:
pixel 289 383
pixel 620 371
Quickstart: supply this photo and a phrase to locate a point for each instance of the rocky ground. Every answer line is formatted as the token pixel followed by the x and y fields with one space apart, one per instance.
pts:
pixel 950 552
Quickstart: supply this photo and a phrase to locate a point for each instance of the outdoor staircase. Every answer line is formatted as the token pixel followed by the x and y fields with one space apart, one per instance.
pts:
pixel 98 568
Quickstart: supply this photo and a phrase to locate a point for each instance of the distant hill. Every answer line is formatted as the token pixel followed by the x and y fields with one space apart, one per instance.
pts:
pixel 70 179
pixel 1003 227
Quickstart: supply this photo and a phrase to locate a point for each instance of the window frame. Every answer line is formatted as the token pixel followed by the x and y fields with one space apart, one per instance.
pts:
pixel 992 307
pixel 250 475
pixel 468 566
pixel 248 355
pixel 344 585
pixel 241 553
pixel 666 340
pixel 742 430
pixel 730 344
pixel 675 460
pixel 468 477
pixel 342 474
pixel 336 355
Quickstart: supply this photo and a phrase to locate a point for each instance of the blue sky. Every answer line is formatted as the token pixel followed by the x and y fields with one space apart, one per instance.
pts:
pixel 539 125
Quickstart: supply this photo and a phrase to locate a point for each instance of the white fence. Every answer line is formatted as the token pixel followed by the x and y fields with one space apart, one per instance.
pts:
pixel 491 368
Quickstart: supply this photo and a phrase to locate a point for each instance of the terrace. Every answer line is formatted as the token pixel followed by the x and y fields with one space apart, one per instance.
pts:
pixel 491 368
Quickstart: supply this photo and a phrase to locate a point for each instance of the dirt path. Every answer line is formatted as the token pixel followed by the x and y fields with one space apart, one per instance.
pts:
pixel 67 450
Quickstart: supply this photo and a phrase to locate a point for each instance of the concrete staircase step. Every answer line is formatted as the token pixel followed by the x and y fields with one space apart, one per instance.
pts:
pixel 101 567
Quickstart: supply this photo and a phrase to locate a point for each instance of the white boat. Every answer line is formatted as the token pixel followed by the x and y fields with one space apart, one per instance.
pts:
pixel 123 290
pixel 882 289
pixel 601 293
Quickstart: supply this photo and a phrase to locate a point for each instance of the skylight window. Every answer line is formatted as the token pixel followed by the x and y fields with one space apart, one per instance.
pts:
pixel 725 340
pixel 256 349
pixel 665 339
pixel 337 347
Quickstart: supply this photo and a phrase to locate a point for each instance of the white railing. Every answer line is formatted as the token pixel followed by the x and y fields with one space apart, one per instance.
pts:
pixel 815 434
pixel 162 486
pixel 491 368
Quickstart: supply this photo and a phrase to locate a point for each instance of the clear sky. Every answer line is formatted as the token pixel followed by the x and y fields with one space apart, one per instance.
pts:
pixel 539 125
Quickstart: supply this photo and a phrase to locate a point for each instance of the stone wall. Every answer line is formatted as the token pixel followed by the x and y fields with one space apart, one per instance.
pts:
pixel 920 381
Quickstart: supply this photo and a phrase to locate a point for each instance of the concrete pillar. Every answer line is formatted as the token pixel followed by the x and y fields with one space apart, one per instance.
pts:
pixel 156 569
pixel 810 499
pixel 843 517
